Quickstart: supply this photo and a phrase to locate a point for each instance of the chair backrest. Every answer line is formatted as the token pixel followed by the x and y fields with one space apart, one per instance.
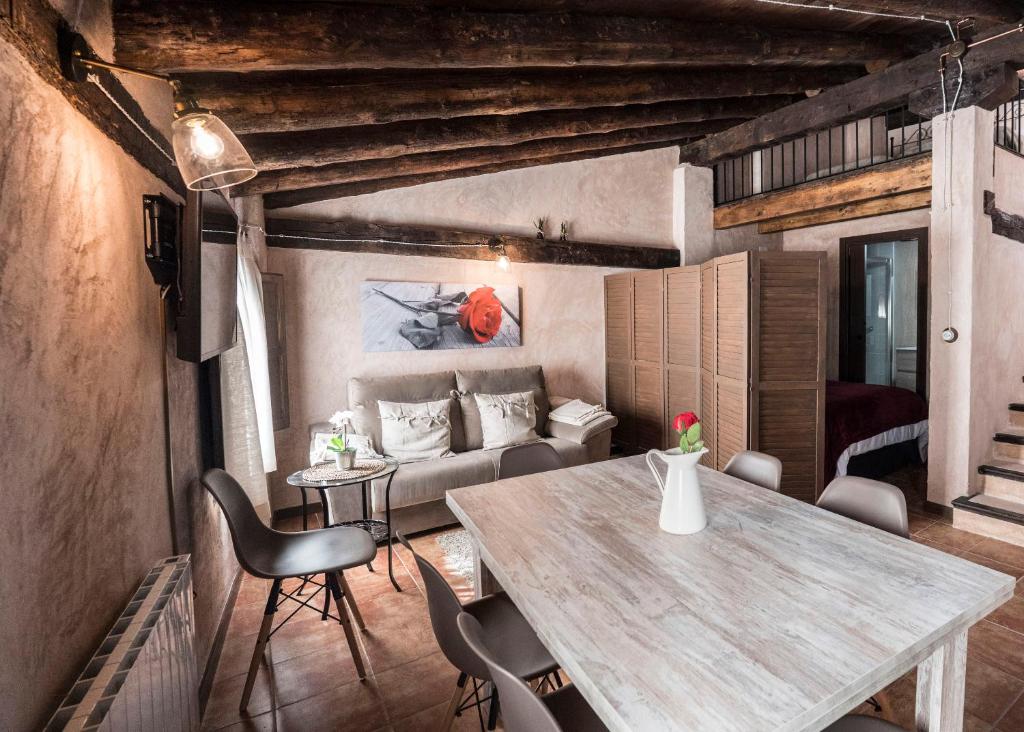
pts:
pixel 444 607
pixel 521 709
pixel 535 457
pixel 249 535
pixel 869 501
pixel 757 468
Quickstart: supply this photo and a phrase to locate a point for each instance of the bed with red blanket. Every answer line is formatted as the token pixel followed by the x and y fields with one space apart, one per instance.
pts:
pixel 860 418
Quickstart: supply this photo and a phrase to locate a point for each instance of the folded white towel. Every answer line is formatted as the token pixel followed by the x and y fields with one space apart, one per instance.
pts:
pixel 573 410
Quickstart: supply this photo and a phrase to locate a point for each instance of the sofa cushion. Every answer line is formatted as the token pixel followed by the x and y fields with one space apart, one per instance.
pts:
pixel 507 419
pixel 498 381
pixel 414 431
pixel 365 392
pixel 427 481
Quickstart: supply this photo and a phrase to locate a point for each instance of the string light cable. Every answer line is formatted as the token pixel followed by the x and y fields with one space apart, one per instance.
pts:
pixel 95 79
pixel 853 11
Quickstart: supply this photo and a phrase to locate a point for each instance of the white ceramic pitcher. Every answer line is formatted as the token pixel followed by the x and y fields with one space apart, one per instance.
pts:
pixel 682 506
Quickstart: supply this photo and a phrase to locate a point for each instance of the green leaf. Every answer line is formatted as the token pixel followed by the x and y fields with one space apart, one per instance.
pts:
pixel 698 445
pixel 693 434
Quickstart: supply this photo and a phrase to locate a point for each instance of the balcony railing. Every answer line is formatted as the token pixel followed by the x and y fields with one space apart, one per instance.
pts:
pixel 1009 117
pixel 891 135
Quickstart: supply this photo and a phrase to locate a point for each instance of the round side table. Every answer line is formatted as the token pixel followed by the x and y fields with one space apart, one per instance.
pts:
pixel 379 530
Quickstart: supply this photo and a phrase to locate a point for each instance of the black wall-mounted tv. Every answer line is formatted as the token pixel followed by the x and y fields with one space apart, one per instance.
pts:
pixel 208 281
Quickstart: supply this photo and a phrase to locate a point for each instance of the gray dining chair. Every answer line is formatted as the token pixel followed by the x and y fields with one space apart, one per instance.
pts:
pixel 534 457
pixel 869 501
pixel 525 654
pixel 523 710
pixel 757 468
pixel 277 556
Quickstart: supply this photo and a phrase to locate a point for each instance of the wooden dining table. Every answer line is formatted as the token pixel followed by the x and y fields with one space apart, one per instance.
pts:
pixel 777 616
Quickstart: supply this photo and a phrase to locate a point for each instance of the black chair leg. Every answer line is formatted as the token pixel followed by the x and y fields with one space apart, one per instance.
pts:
pixel 261 642
pixel 492 719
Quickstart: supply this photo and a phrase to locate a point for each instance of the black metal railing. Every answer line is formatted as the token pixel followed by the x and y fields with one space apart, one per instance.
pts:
pixel 891 135
pixel 1009 117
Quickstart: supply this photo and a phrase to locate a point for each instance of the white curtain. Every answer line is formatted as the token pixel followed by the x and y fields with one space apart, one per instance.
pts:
pixel 251 252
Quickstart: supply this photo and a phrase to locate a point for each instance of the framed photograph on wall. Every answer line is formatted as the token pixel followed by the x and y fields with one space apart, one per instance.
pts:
pixel 434 316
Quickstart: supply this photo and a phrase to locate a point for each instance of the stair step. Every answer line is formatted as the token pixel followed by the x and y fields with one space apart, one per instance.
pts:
pixel 1000 508
pixel 1011 436
pixel 1017 407
pixel 1003 469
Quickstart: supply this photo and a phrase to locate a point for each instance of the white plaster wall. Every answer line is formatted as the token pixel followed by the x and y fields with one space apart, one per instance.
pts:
pixel 620 199
pixel 826 238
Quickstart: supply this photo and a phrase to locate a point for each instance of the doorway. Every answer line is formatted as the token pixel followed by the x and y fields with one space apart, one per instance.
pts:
pixel 884 309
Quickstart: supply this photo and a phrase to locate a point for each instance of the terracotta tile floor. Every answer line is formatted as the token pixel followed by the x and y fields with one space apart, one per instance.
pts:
pixel 310 682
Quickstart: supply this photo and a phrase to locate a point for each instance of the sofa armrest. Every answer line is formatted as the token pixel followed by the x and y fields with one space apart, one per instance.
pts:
pixel 582 435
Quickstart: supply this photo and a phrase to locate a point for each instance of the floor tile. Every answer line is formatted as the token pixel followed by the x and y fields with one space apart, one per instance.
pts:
pixel 998 647
pixel 417 685
pixel 1013 720
pixel 990 692
pixel 1010 615
pixel 357 705
pixel 1015 572
pixel 919 522
pixel 948 536
pixel 429 720
pixel 1000 551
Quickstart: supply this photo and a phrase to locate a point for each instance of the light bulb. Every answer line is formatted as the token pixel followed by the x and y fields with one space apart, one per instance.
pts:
pixel 504 263
pixel 205 144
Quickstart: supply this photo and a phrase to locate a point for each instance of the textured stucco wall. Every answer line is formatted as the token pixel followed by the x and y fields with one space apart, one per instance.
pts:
pixel 84 506
pixel 826 239
pixel 620 199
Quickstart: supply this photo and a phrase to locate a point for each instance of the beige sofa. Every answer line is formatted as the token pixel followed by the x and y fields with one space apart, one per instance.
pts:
pixel 418 489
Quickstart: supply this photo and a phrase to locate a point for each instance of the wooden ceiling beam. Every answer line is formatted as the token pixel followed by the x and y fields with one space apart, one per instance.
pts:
pixel 417 241
pixel 285 198
pixel 861 98
pixel 279 101
pixel 992 11
pixel 273 150
pixel 214 35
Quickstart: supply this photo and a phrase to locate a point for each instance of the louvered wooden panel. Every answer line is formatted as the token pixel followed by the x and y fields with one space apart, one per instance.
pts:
pixel 618 316
pixel 788 310
pixel 648 316
pixel 648 405
pixel 707 416
pixel 788 429
pixel 707 316
pixel 682 338
pixel 731 316
pixel 730 420
pixel 788 318
pixel 619 386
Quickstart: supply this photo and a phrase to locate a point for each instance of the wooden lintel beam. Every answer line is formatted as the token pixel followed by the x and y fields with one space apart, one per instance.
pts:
pixel 273 150
pixel 987 88
pixel 901 176
pixel 302 100
pixel 991 11
pixel 849 211
pixel 370 238
pixel 857 99
pixel 1003 223
pixel 34 29
pixel 210 35
pixel 453 170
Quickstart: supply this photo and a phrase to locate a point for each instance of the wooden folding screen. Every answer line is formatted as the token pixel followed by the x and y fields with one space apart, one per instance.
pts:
pixel 707 360
pixel 618 347
pixel 682 345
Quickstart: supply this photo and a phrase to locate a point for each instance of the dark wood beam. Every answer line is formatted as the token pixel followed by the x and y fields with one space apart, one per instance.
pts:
pixel 987 88
pixel 993 11
pixel 370 238
pixel 34 29
pixel 272 101
pixel 1003 223
pixel 285 198
pixel 213 35
pixel 859 98
pixel 273 150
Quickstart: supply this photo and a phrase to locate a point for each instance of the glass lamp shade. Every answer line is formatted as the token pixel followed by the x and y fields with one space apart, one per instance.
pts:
pixel 208 154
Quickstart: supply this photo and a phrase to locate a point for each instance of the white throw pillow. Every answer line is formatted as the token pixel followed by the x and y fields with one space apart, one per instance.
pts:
pixel 362 444
pixel 507 419
pixel 412 432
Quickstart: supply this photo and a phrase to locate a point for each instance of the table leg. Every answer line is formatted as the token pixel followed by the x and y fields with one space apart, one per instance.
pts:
pixel 305 509
pixel 485 583
pixel 366 487
pixel 325 506
pixel 940 687
pixel 387 521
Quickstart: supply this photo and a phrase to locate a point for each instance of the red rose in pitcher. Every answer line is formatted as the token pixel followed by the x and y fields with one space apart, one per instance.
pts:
pixel 480 315
pixel 684 421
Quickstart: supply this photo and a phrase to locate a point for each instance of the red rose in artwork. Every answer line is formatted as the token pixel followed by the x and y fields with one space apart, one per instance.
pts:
pixel 684 421
pixel 480 315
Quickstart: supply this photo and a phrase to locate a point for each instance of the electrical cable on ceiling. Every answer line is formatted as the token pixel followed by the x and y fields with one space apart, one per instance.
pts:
pixel 853 11
pixel 96 80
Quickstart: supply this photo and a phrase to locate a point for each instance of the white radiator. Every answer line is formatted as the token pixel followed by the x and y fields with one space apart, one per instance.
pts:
pixel 143 676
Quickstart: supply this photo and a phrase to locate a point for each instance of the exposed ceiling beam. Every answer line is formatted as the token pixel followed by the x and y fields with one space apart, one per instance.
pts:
pixel 273 150
pixel 269 101
pixel 283 199
pixel 363 237
pixel 994 11
pixel 290 179
pixel 859 98
pixel 212 35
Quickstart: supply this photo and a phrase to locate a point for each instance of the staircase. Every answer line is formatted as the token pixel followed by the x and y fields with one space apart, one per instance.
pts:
pixel 998 511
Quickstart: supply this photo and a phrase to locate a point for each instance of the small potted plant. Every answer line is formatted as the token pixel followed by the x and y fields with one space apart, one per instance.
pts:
pixel 344 456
